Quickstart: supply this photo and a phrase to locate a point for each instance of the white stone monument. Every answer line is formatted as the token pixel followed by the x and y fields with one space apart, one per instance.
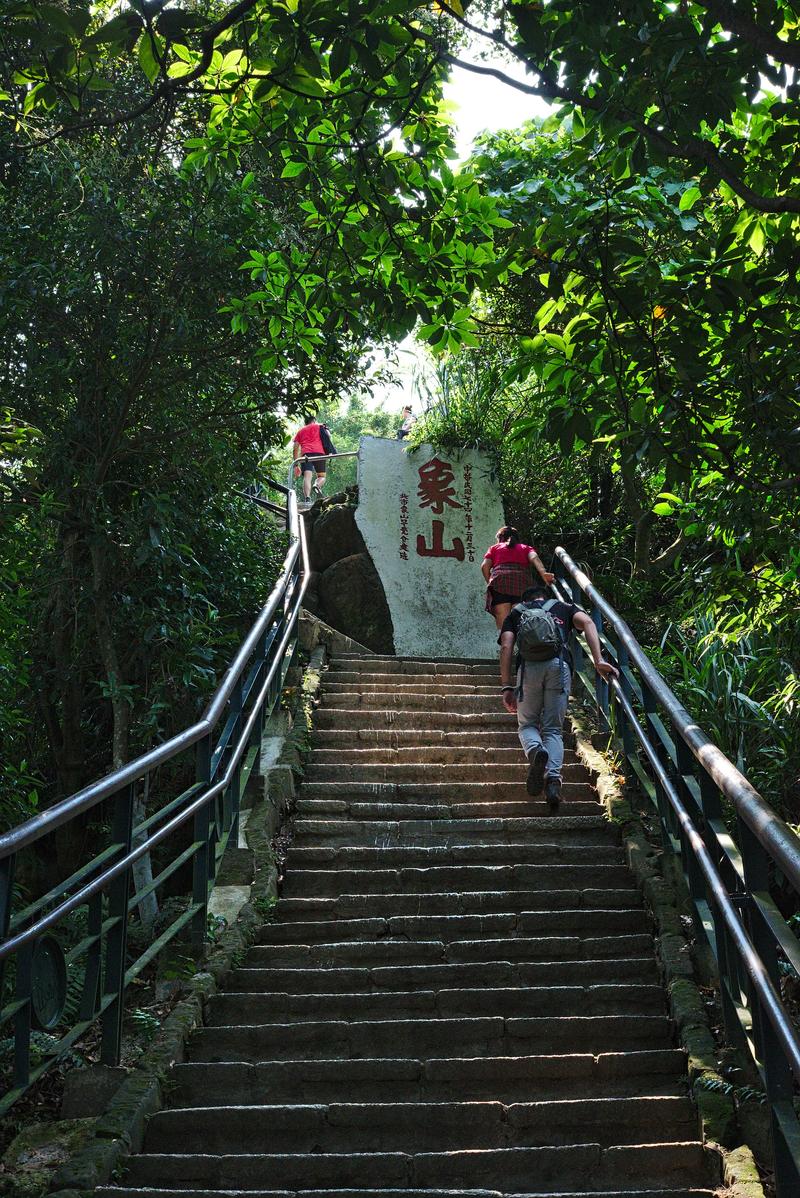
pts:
pixel 427 517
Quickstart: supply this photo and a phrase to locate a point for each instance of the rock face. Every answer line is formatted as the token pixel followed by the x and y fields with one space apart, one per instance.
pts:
pixel 344 587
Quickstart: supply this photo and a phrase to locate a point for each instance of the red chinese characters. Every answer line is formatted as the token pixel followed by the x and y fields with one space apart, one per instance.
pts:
pixel 436 488
pixel 436 491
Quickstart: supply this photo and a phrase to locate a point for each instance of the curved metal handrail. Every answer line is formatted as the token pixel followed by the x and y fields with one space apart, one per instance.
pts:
pixel 773 832
pixel 226 744
pixel 353 453
pixel 687 776
pixel 89 796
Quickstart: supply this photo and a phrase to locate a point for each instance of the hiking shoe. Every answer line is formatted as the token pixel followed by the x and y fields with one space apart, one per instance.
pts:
pixel 535 780
pixel 552 793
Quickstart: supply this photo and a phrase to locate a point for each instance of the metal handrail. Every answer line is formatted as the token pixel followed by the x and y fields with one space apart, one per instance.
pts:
pixel 689 779
pixel 60 813
pixel 773 832
pixel 353 453
pixel 247 693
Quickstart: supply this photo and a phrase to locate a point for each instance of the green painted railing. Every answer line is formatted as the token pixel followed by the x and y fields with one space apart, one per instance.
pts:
pixel 696 793
pixel 64 956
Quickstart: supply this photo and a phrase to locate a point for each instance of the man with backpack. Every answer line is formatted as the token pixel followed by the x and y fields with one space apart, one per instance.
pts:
pixel 537 684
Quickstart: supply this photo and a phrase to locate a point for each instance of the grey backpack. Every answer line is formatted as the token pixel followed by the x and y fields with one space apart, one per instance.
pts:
pixel 538 635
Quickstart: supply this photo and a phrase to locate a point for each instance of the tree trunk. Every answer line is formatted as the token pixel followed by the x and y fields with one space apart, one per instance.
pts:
pixel 121 713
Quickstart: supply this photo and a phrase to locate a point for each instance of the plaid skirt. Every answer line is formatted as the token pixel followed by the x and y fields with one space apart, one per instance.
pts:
pixel 511 578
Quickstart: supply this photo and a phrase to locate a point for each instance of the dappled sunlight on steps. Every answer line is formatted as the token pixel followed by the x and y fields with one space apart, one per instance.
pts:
pixel 458 995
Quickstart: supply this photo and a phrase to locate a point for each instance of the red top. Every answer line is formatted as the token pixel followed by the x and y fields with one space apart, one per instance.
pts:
pixel 308 439
pixel 501 555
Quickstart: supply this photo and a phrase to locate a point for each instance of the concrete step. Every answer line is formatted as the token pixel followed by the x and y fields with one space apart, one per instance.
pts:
pixel 356 809
pixel 385 664
pixel 455 902
pixel 585 922
pixel 453 688
pixel 430 774
pixel 440 1126
pixel 410 977
pixel 566 1167
pixel 422 1036
pixel 404 753
pixel 590 829
pixel 305 883
pixel 361 739
pixel 123 1191
pixel 365 953
pixel 408 1079
pixel 485 703
pixel 631 998
pixel 573 851
pixel 344 716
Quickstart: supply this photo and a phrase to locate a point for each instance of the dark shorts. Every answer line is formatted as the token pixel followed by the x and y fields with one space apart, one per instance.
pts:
pixel 318 465
pixel 499 597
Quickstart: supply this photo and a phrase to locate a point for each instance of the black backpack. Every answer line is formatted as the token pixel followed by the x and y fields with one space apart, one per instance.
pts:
pixel 538 636
pixel 325 438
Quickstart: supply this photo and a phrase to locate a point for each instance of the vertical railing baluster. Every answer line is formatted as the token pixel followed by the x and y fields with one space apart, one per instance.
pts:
pixel 778 1081
pixel 22 1018
pixel 7 871
pixel 600 684
pixel 202 865
pixel 117 937
pixel 93 970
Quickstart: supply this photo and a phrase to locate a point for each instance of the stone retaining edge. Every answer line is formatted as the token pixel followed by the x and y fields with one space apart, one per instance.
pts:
pixel 733 1164
pixel 119 1131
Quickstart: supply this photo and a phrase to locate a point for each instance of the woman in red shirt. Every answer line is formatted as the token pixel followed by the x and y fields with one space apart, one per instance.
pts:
pixel 508 573
pixel 308 447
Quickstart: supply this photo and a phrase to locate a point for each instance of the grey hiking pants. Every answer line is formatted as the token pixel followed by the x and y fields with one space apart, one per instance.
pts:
pixel 541 710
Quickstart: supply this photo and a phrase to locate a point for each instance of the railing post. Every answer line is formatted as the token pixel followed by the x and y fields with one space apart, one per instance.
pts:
pixel 621 716
pixel 117 938
pixel 201 863
pixel 600 684
pixel 232 795
pixel 778 1081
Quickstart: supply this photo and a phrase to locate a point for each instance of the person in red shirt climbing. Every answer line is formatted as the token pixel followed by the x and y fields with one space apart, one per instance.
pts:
pixel 508 569
pixel 309 456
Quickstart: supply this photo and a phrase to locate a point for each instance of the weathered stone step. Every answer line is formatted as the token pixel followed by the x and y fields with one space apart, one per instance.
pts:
pixel 409 977
pixel 580 921
pixel 567 1167
pixel 448 720
pixel 456 808
pixel 361 739
pixel 410 665
pixel 455 902
pixel 567 852
pixel 388 1127
pixel 541 1078
pixel 305 883
pixel 431 685
pixel 591 829
pixel 363 953
pixel 123 1191
pixel 631 998
pixel 489 756
pixel 430 774
pixel 422 1036
pixel 363 683
pixel 420 700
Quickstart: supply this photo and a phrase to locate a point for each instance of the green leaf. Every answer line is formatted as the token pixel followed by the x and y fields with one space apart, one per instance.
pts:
pixel 339 59
pixel 292 170
pixel 689 198
pixel 148 45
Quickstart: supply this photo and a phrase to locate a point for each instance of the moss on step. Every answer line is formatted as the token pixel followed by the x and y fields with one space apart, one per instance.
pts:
pixel 716 1109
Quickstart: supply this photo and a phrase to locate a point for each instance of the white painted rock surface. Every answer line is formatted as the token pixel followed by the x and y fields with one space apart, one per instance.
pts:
pixel 427 518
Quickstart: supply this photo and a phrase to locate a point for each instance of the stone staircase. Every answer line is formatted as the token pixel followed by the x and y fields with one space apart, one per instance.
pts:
pixel 458 994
